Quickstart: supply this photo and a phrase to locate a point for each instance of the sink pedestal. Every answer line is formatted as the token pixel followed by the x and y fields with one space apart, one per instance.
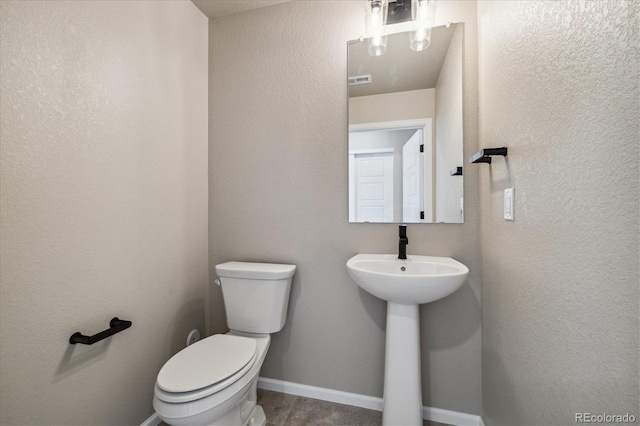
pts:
pixel 405 284
pixel 402 379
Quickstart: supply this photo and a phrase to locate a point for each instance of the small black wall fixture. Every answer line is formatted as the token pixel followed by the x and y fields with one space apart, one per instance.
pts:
pixel 456 172
pixel 116 326
pixel 484 155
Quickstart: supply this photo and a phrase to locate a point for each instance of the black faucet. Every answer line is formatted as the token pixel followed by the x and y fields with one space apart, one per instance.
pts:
pixel 402 248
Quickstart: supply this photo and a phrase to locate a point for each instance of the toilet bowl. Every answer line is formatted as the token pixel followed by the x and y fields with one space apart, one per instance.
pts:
pixel 231 397
pixel 214 381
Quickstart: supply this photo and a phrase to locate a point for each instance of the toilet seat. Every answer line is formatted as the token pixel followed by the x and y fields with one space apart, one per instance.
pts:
pixel 205 368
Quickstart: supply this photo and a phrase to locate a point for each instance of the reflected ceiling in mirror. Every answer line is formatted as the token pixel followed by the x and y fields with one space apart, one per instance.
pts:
pixel 405 130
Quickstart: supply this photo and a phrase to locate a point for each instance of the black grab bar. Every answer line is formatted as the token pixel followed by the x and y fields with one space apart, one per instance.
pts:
pixel 116 326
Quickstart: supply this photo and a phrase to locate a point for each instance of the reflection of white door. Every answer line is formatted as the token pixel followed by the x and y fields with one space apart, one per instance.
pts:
pixel 373 187
pixel 361 140
pixel 411 179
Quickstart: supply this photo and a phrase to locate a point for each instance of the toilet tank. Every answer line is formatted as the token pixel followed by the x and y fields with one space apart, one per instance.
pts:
pixel 256 295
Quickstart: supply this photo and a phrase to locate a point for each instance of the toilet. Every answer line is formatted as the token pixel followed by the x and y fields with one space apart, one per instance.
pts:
pixel 213 381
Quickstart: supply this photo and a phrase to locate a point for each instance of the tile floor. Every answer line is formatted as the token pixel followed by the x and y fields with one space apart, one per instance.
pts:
pixel 289 410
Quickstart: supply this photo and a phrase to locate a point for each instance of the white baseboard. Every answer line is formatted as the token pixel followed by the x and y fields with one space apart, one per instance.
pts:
pixel 324 394
pixel 364 401
pixel 450 417
pixel 153 420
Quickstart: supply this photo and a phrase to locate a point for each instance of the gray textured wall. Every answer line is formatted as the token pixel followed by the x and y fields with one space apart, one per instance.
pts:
pixel 278 193
pixel 103 125
pixel 559 87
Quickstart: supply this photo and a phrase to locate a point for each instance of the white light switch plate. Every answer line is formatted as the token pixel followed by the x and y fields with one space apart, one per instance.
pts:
pixel 508 203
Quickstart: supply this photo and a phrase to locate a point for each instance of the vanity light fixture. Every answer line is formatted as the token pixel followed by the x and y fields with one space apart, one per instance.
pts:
pixel 423 14
pixel 375 18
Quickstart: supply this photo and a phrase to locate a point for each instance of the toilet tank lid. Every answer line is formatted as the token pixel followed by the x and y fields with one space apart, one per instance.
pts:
pixel 256 271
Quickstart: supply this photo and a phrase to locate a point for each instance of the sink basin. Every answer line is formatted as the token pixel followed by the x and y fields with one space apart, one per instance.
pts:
pixel 416 280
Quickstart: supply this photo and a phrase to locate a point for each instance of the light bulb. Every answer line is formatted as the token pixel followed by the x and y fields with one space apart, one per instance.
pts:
pixel 375 17
pixel 420 39
pixel 423 14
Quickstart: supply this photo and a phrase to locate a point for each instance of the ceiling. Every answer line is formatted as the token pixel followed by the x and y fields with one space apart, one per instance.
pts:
pixel 218 8
pixel 400 68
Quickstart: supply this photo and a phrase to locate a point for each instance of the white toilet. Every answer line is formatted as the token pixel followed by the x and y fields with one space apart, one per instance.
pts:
pixel 213 381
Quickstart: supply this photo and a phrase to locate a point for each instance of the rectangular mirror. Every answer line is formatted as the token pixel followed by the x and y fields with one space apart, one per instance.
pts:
pixel 405 130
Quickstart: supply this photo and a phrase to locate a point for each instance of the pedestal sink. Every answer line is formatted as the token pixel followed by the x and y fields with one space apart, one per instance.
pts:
pixel 405 284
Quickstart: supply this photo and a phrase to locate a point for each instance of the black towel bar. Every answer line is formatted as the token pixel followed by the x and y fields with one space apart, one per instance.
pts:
pixel 116 326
